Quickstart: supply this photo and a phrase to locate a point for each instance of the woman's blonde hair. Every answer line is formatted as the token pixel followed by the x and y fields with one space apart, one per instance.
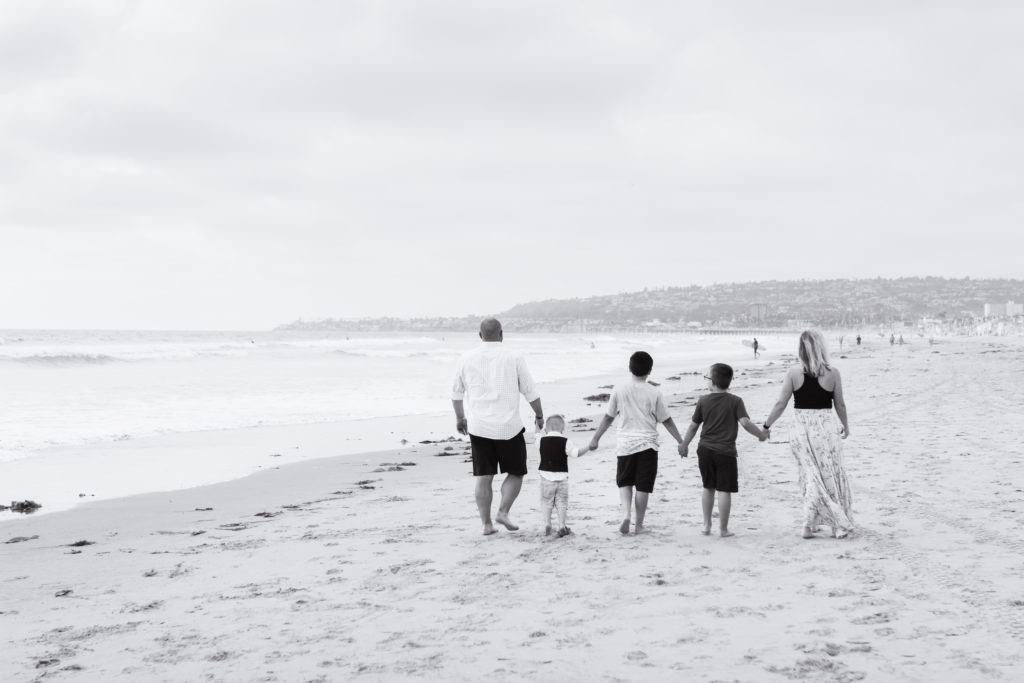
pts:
pixel 813 353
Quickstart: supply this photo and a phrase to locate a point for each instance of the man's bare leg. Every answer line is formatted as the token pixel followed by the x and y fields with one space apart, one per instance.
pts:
pixel 724 507
pixel 641 509
pixel 707 504
pixel 626 499
pixel 509 492
pixel 484 496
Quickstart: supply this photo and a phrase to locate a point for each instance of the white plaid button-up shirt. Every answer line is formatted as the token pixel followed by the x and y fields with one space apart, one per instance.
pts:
pixel 490 379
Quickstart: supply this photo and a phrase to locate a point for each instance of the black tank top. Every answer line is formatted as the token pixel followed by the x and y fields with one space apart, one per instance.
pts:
pixel 810 395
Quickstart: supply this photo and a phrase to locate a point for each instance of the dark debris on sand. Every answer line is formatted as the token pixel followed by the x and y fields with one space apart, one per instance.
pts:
pixel 22 539
pixel 23 506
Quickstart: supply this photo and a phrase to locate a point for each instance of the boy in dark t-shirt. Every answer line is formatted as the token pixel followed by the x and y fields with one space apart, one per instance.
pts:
pixel 720 412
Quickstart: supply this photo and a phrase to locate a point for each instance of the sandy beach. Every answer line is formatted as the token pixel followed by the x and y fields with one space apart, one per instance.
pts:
pixel 373 567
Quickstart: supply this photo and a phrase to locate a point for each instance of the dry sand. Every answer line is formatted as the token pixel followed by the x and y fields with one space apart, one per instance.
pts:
pixel 303 574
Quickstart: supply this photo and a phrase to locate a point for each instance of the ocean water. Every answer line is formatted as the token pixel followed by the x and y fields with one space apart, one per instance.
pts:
pixel 68 392
pixel 65 388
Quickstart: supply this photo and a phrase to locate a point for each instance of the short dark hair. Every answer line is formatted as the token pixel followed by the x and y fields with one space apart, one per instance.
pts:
pixel 641 363
pixel 721 375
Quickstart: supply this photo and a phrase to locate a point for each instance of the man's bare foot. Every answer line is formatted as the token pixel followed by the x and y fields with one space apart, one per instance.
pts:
pixel 624 527
pixel 807 533
pixel 547 530
pixel 564 531
pixel 489 529
pixel 505 522
pixel 706 530
pixel 725 533
pixel 640 529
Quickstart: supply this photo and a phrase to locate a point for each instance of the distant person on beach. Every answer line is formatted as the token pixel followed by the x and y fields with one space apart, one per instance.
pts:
pixel 815 440
pixel 892 339
pixel 755 347
pixel 639 407
pixel 555 451
pixel 858 340
pixel 841 337
pixel 491 378
pixel 720 411
pixel 901 340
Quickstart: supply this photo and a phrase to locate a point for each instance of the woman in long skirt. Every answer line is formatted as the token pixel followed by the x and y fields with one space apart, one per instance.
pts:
pixel 815 438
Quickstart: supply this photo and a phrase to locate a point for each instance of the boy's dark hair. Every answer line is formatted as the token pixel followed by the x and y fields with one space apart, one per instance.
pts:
pixel 641 363
pixel 721 375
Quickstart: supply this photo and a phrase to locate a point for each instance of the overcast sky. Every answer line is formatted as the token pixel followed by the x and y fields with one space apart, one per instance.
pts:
pixel 236 165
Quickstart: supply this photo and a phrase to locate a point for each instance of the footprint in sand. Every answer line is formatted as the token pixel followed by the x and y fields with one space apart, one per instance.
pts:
pixel 876 618
pixel 819 669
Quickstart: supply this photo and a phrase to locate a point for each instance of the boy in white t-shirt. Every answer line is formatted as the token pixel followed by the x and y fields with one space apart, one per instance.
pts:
pixel 638 407
pixel 555 451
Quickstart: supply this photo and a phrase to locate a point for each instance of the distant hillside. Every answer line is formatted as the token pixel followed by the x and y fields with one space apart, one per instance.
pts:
pixel 820 302
pixel 773 303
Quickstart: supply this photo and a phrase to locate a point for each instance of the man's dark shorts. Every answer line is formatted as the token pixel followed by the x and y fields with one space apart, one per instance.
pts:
pixel 638 469
pixel 718 470
pixel 490 454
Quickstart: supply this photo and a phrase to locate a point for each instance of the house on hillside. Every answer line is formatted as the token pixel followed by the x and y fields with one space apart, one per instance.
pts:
pixel 1000 310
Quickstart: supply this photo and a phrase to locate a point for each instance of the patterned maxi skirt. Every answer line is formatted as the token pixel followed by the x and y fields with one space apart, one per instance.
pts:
pixel 818 448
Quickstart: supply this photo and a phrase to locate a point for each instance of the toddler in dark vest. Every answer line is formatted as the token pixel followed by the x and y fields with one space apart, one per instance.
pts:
pixel 555 451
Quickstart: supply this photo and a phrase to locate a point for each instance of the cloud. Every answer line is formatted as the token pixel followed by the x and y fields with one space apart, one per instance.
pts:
pixel 461 156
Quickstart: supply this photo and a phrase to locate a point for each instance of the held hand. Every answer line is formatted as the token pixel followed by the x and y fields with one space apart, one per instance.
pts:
pixel 593 444
pixel 539 422
pixel 684 450
pixel 461 426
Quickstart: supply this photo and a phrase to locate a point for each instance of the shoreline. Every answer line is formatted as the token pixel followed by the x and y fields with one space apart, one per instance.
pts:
pixel 65 477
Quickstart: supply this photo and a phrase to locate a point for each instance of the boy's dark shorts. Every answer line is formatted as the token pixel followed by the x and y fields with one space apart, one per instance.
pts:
pixel 490 454
pixel 638 469
pixel 718 470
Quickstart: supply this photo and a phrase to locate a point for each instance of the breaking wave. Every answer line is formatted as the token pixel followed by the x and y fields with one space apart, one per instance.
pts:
pixel 68 359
